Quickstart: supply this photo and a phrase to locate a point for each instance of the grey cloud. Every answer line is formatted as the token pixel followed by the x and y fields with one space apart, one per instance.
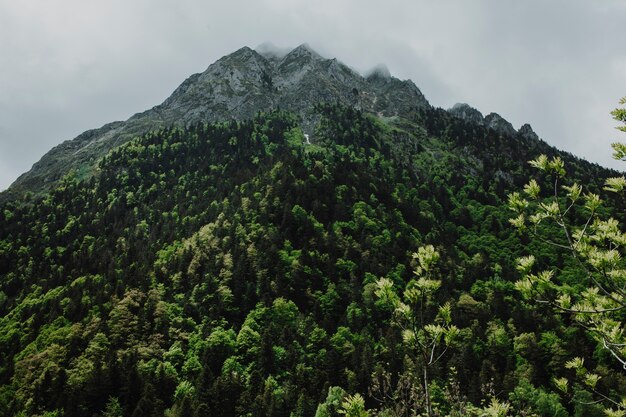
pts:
pixel 71 65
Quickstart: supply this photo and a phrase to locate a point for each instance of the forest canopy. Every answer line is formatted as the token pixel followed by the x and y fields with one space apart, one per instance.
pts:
pixel 236 269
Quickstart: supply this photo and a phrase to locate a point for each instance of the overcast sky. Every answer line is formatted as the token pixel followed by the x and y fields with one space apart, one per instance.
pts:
pixel 70 65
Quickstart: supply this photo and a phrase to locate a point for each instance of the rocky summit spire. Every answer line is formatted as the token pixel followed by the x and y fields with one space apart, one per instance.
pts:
pixel 499 124
pixel 466 112
pixel 527 132
pixel 237 86
pixel 304 51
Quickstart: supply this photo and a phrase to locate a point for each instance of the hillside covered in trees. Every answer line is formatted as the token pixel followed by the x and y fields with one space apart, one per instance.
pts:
pixel 236 269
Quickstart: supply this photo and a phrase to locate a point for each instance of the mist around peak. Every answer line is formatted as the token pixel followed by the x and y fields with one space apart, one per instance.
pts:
pixel 271 50
pixel 380 71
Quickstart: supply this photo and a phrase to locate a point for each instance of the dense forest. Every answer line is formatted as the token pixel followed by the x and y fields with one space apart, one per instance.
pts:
pixel 241 269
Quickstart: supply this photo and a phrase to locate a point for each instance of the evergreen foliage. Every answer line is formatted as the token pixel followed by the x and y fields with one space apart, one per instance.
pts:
pixel 235 269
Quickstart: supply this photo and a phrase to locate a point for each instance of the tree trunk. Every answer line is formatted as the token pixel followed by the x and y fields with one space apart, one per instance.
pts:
pixel 429 411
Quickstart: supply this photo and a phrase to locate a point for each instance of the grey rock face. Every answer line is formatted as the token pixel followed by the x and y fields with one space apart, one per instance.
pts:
pixel 527 132
pixel 468 113
pixel 493 121
pixel 499 124
pixel 237 86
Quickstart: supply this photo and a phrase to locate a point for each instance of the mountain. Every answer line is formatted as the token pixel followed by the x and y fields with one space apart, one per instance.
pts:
pixel 234 267
pixel 235 87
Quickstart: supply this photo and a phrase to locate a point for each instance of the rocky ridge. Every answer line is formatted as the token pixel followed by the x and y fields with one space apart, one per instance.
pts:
pixel 239 85
pixel 236 86
pixel 492 121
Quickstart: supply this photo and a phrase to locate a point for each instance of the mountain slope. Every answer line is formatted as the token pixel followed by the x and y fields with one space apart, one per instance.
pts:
pixel 235 87
pixel 230 268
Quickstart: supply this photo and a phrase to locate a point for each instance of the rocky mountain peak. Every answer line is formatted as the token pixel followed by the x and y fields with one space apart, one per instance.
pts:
pixel 527 132
pixel 244 51
pixel 499 124
pixel 303 51
pixel 237 86
pixel 466 112
pixel 243 59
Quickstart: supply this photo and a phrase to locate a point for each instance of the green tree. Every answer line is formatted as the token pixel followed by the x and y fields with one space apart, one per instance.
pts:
pixel 113 408
pixel 591 283
pixel 354 406
pixel 331 405
pixel 425 334
pixel 619 114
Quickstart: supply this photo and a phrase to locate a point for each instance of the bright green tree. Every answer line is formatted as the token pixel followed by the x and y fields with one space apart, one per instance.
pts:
pixel 354 406
pixel 551 213
pixel 426 334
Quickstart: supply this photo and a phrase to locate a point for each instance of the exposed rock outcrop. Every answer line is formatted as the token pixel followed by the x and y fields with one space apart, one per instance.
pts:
pixel 468 113
pixel 235 87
